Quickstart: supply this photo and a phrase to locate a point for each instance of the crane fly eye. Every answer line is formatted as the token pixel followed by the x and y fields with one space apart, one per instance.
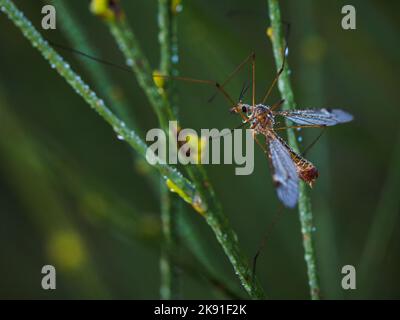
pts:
pixel 244 109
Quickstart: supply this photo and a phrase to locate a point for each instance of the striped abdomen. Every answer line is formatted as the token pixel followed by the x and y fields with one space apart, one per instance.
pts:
pixel 305 169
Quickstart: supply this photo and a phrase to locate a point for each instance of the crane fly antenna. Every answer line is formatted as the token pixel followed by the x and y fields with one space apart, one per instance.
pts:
pixel 244 90
pixel 230 131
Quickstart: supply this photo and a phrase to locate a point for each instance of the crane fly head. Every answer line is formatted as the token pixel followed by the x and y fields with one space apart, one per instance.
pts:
pixel 242 108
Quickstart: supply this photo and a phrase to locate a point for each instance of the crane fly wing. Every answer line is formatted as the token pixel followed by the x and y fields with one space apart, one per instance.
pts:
pixel 305 169
pixel 322 117
pixel 284 172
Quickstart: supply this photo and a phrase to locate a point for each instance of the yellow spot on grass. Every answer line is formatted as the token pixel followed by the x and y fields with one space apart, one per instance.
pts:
pixel 66 249
pixel 196 201
pixel 197 147
pixel 269 32
pixel 199 206
pixel 102 8
pixel 174 188
pixel 158 79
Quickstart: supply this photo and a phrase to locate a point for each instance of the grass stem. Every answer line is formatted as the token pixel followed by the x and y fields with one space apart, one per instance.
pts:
pixel 170 206
pixel 305 210
pixel 202 196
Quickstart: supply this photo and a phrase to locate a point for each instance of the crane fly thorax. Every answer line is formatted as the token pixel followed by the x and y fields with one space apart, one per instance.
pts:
pixel 261 118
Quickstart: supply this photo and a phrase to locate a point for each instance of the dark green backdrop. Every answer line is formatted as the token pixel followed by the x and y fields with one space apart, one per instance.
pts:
pixel 68 186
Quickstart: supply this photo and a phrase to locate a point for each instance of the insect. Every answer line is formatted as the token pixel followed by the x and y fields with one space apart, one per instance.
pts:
pixel 287 166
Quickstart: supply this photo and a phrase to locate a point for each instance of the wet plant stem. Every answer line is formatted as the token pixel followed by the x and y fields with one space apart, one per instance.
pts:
pixel 170 205
pixel 199 194
pixel 209 205
pixel 305 210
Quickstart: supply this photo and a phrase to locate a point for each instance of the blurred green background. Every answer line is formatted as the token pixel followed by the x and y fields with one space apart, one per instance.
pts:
pixel 71 196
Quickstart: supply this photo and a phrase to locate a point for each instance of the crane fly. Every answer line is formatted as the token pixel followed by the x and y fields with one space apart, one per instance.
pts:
pixel 287 166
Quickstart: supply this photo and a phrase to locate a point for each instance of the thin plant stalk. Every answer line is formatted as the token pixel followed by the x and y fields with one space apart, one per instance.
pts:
pixel 305 210
pixel 170 206
pixel 75 33
pixel 312 87
pixel 135 58
pixel 79 39
pixel 187 190
pixel 212 212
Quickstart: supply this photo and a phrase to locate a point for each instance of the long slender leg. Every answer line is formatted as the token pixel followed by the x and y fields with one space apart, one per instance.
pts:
pixel 88 56
pixel 123 68
pixel 267 234
pixel 308 148
pixel 281 68
pixel 275 80
pixel 300 126
pixel 277 105
pixel 231 130
pixel 259 143
pixel 233 73
pixel 253 70
pixel 209 82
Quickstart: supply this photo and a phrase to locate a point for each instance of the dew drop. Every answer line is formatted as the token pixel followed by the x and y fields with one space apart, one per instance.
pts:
pixel 119 137
pixel 286 51
pixel 300 139
pixel 129 62
pixel 175 58
pixel 178 8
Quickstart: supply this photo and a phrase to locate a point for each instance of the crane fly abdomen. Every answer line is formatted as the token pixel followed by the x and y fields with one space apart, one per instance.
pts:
pixel 305 169
pixel 308 174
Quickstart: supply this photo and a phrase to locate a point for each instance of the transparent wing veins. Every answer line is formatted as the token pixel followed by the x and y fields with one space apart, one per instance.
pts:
pixel 284 172
pixel 322 117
